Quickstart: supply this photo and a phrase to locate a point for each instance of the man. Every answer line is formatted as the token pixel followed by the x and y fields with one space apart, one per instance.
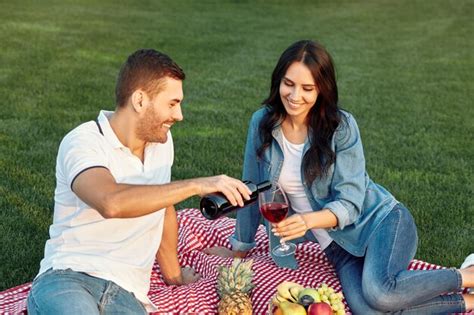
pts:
pixel 113 212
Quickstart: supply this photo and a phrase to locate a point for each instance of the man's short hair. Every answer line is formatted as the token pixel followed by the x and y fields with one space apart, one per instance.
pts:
pixel 145 69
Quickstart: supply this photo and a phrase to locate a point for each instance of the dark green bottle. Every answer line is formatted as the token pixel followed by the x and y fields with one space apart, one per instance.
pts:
pixel 216 205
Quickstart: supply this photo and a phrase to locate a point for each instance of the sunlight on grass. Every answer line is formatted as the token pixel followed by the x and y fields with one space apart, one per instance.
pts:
pixel 405 70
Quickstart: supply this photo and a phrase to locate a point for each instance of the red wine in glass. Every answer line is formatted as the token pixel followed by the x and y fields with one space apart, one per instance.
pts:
pixel 274 207
pixel 274 211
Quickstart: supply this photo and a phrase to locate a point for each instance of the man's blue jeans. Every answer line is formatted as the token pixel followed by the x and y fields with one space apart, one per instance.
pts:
pixel 71 292
pixel 380 283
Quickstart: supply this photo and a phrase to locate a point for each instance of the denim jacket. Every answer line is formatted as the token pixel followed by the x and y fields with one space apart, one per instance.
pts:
pixel 358 203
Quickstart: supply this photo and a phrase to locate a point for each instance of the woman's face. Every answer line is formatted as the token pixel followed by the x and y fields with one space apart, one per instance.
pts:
pixel 298 90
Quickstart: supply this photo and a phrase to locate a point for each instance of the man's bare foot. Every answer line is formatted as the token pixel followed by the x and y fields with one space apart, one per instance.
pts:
pixel 467 275
pixel 467 272
pixel 219 251
pixel 469 300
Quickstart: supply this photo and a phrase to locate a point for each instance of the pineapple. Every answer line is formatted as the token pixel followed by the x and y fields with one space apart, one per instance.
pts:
pixel 234 284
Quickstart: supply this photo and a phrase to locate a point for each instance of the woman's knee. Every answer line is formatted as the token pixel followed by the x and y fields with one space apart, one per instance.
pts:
pixel 31 305
pixel 359 305
pixel 364 309
pixel 380 297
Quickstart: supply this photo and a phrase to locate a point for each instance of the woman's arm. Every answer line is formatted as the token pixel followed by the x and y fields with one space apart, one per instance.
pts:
pixel 349 180
pixel 347 189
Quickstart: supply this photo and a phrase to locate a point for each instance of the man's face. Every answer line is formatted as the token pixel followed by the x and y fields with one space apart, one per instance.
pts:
pixel 161 112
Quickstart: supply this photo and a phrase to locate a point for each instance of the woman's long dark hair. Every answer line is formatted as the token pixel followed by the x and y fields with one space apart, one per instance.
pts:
pixel 324 116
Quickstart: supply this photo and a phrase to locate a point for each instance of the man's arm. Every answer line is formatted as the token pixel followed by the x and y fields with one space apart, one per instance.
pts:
pixel 167 255
pixel 98 188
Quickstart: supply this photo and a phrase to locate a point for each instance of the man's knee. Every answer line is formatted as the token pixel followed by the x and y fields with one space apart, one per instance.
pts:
pixel 65 302
pixel 56 295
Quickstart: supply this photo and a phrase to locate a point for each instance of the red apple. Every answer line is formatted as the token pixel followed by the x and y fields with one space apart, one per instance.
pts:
pixel 319 309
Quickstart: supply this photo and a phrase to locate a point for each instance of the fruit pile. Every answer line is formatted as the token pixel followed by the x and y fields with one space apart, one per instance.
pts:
pixel 293 298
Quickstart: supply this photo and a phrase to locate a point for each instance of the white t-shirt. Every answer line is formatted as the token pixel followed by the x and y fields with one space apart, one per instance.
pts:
pixel 290 181
pixel 119 250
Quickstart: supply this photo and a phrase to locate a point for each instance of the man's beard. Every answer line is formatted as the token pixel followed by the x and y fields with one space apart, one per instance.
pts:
pixel 150 129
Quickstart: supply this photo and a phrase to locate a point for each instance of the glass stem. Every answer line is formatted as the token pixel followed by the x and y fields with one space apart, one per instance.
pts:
pixel 284 246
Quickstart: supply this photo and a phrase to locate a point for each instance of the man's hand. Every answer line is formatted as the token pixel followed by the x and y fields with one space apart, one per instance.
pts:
pixel 189 275
pixel 186 275
pixel 233 189
pixel 224 252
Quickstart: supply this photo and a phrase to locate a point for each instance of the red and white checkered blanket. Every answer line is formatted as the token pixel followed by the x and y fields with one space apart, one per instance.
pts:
pixel 196 233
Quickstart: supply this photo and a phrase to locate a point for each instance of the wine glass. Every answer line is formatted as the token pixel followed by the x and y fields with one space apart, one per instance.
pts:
pixel 274 207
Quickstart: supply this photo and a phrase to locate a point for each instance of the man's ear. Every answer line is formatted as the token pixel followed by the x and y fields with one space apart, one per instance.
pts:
pixel 138 99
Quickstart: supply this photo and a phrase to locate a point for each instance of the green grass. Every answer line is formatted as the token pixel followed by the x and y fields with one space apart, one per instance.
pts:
pixel 405 69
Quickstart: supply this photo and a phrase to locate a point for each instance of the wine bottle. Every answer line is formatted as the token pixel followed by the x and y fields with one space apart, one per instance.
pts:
pixel 216 205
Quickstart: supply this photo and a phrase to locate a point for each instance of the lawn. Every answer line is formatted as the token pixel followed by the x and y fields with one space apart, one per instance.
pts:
pixel 405 70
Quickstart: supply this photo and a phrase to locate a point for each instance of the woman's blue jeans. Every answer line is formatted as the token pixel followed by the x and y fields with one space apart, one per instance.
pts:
pixel 379 282
pixel 71 292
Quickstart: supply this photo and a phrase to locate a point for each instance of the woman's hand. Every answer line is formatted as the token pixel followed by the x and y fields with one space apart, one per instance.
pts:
pixel 292 227
pixel 297 225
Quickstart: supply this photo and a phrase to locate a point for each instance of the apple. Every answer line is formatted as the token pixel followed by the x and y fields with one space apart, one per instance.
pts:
pixel 319 309
pixel 278 311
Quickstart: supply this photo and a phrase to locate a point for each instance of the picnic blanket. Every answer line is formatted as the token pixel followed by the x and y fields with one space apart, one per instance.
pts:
pixel 197 233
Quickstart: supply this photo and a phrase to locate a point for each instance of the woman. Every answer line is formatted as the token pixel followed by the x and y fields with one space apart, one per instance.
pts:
pixel 305 142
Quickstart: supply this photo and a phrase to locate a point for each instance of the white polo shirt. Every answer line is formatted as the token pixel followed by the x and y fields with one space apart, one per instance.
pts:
pixel 119 250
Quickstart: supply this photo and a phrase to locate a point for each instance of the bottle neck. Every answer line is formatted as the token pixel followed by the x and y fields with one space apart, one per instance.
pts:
pixel 264 186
